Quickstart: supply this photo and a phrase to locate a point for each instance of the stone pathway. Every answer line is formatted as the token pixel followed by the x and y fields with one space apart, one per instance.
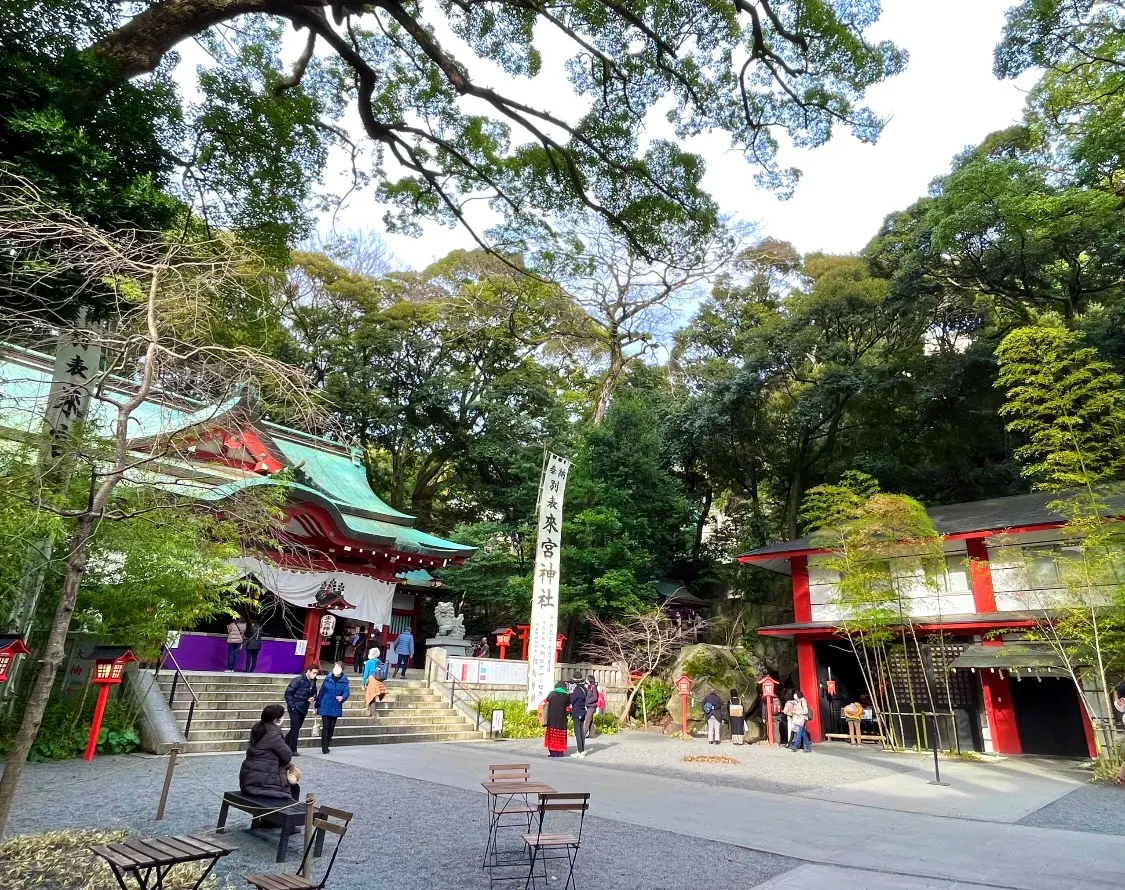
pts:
pixel 841 817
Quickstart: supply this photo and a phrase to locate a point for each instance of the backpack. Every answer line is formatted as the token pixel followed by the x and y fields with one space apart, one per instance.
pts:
pixel 708 708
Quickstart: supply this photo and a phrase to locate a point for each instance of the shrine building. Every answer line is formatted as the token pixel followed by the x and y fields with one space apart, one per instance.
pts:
pixel 1006 694
pixel 347 561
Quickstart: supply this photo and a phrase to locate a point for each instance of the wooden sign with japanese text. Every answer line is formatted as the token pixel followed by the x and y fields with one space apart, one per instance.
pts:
pixel 545 590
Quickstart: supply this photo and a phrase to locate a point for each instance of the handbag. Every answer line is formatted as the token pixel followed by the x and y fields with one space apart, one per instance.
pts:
pixel 293 774
pixel 543 713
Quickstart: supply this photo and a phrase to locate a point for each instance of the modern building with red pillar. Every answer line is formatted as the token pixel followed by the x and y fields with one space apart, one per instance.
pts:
pixel 1007 695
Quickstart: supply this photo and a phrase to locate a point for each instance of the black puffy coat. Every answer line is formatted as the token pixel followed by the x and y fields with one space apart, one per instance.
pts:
pixel 299 692
pixel 263 770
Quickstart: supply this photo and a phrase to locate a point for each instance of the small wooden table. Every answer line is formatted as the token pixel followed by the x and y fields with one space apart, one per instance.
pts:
pixel 152 858
pixel 509 790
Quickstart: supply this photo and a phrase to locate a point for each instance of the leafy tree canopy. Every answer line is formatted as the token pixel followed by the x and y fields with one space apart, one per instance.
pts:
pixel 249 152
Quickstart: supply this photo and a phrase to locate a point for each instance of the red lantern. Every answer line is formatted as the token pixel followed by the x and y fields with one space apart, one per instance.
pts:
pixel 109 670
pixel 769 693
pixel 683 686
pixel 503 640
pixel 10 647
pixel 559 644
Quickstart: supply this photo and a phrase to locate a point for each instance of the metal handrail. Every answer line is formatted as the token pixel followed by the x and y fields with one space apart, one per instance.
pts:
pixel 175 682
pixel 452 680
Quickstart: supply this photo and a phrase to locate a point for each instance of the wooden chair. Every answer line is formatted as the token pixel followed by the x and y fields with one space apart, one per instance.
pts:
pixel 509 772
pixel 322 823
pixel 510 804
pixel 543 846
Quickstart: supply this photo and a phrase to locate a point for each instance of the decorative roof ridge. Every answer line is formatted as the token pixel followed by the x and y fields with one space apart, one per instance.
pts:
pixel 32 358
pixel 343 449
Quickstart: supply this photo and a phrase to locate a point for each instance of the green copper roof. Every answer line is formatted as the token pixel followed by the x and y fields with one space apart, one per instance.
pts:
pixel 337 475
pixel 406 538
pixel 331 477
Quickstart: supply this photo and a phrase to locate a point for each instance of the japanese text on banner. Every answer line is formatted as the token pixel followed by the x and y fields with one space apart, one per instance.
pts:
pixel 545 589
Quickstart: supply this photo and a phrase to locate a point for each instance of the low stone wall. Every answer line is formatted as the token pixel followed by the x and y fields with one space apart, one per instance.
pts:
pixel 614 698
pixel 610 680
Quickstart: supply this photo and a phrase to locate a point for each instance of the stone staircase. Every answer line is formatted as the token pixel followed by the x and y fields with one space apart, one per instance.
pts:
pixel 229 704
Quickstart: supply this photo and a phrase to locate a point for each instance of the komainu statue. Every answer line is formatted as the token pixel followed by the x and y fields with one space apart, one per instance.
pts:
pixel 449 624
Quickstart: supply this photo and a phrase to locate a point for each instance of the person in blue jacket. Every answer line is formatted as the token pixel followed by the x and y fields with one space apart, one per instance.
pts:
pixel 334 691
pixel 404 648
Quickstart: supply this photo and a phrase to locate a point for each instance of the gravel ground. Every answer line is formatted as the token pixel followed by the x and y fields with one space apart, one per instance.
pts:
pixel 407 835
pixel 760 768
pixel 1096 808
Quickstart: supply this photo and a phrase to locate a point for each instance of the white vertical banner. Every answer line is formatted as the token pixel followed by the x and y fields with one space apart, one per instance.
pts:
pixel 545 588
pixel 78 358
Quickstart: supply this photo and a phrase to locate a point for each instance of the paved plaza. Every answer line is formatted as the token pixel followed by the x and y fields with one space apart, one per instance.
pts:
pixel 774 820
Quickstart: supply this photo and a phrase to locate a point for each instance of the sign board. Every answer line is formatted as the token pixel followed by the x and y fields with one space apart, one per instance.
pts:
pixel 504 673
pixel 492 671
pixel 302 647
pixel 769 687
pixel 683 685
pixel 467 670
pixel 541 653
pixel 172 641
pixel 497 722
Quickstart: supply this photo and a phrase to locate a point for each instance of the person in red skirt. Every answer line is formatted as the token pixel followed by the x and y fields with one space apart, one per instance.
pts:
pixel 556 705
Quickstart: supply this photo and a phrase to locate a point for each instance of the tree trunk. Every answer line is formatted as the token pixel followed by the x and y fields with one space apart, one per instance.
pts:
pixel 139 45
pixel 78 552
pixel 612 381
pixel 701 523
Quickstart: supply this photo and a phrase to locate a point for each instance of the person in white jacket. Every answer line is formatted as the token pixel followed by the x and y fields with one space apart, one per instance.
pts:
pixel 800 722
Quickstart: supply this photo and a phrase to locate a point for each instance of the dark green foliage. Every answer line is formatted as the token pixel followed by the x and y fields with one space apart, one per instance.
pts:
pixel 652 700
pixel 519 723
pixel 66 728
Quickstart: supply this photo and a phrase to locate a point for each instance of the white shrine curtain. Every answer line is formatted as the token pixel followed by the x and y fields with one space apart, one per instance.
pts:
pixel 372 598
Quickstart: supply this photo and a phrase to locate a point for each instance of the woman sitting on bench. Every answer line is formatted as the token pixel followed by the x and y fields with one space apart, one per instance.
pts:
pixel 268 769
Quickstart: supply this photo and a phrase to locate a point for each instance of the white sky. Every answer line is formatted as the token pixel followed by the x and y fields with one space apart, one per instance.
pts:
pixel 946 100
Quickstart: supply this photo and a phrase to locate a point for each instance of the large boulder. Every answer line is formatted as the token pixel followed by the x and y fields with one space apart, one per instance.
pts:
pixel 721 669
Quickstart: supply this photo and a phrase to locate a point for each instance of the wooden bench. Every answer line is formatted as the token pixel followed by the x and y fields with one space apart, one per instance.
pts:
pixel 269 812
pixel 843 737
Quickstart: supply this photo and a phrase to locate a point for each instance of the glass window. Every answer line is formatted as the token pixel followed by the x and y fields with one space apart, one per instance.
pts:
pixel 1043 567
pixel 957 578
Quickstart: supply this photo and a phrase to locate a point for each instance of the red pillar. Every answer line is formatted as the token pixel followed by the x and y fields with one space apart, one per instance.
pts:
pixel 96 726
pixel 810 687
pixel 312 637
pixel 1091 745
pixel 980 575
pixel 996 688
pixel 1002 725
pixel 802 602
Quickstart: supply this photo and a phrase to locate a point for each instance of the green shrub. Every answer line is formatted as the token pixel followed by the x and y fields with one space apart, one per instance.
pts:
pixel 66 727
pixel 519 723
pixel 655 694
pixel 1108 763
pixel 607 724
